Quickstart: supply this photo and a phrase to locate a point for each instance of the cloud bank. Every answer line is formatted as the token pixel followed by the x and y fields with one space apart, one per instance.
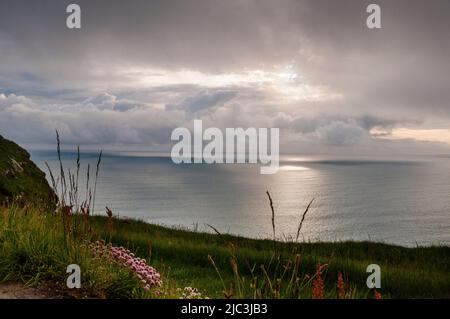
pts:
pixel 134 72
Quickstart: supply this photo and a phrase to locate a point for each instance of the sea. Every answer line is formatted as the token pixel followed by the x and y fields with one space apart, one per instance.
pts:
pixel 403 201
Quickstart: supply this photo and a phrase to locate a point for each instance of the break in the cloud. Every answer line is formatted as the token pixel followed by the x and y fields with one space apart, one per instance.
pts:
pixel 136 71
pixel 202 101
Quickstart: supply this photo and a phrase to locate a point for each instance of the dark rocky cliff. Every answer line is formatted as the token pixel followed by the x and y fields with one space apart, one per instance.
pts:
pixel 21 180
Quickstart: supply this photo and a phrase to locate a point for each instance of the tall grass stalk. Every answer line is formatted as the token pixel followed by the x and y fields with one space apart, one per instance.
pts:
pixel 96 179
pixel 303 219
pixel 273 214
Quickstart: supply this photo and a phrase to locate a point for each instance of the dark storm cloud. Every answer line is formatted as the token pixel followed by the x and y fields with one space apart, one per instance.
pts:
pixel 212 35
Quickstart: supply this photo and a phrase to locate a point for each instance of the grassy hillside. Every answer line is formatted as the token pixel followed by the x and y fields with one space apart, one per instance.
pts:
pixel 36 248
pixel 21 180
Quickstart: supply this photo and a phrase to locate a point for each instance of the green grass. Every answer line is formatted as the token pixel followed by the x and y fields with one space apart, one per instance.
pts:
pixel 406 272
pixel 33 249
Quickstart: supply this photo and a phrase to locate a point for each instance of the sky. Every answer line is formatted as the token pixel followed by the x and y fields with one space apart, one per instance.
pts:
pixel 136 71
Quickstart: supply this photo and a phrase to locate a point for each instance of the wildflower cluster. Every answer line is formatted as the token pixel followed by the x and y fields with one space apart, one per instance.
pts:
pixel 190 293
pixel 377 295
pixel 341 286
pixel 148 275
pixel 318 285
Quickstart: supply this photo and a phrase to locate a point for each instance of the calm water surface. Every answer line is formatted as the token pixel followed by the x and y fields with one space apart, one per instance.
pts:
pixel 405 202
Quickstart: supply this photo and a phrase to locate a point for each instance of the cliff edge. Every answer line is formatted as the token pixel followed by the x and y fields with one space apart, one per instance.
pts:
pixel 21 181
